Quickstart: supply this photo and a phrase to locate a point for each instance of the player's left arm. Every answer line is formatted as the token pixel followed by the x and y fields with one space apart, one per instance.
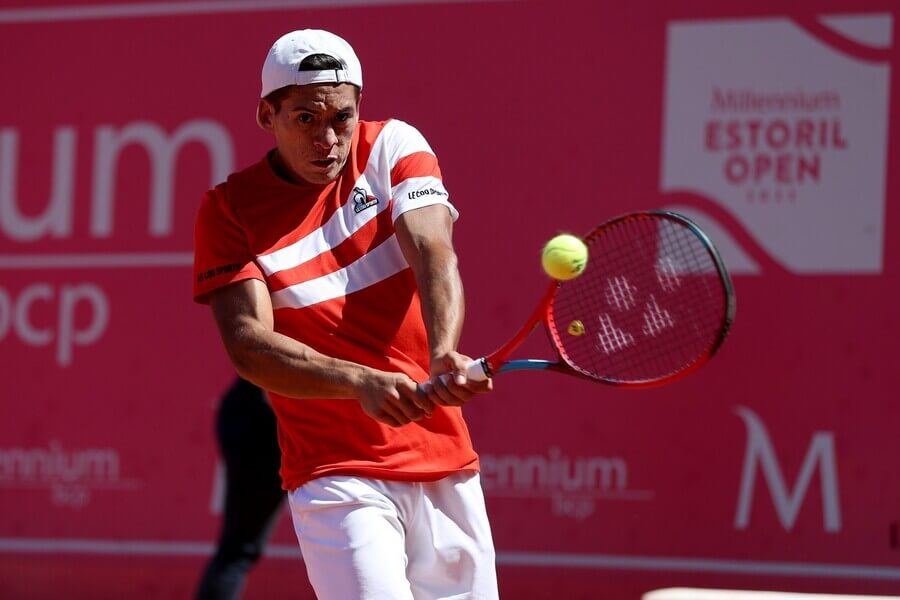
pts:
pixel 426 238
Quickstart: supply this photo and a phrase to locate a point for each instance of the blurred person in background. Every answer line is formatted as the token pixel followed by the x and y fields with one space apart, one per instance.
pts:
pixel 248 443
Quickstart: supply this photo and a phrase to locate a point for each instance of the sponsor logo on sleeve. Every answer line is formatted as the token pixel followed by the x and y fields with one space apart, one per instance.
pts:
pixel 220 270
pixel 427 192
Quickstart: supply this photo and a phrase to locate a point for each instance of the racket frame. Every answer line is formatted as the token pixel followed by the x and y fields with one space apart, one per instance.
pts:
pixel 496 362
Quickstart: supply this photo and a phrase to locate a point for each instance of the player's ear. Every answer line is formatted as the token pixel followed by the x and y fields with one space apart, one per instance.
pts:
pixel 265 112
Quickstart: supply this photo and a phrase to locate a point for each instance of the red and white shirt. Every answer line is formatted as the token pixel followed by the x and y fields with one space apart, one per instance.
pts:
pixel 339 284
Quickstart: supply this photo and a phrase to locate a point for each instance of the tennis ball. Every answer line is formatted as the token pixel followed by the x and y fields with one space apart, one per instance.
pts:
pixel 564 257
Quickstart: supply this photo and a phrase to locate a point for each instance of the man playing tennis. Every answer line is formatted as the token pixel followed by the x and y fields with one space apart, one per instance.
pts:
pixel 330 270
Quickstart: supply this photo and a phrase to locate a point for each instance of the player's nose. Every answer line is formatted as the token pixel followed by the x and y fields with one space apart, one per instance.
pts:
pixel 325 137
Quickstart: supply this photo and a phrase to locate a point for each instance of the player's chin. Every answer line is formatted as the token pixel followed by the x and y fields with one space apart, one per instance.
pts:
pixel 321 178
pixel 322 173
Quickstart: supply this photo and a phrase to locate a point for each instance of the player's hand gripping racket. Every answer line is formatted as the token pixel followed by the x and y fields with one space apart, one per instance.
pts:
pixel 654 303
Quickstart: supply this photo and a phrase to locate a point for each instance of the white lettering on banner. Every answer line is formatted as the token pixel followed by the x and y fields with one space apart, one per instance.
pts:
pixel 787 505
pixel 30 335
pixel 573 484
pixel 788 138
pixel 69 475
pixel 16 317
pixel 162 150
pixel 56 221
pixel 5 313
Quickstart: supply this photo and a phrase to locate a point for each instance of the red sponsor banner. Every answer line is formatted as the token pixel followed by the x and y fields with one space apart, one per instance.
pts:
pixel 770 468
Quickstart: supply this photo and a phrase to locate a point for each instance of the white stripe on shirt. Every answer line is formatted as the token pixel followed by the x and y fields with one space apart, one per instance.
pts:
pixel 378 264
pixel 339 227
pixel 396 141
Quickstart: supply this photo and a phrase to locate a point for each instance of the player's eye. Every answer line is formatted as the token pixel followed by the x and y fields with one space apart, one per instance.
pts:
pixel 305 118
pixel 343 117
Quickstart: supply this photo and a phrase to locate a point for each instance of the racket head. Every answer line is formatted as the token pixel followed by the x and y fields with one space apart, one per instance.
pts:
pixel 654 303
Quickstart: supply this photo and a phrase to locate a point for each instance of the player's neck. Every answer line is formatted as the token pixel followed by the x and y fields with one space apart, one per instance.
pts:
pixel 279 168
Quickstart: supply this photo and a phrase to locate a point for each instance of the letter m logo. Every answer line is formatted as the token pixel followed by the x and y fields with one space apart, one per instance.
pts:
pixel 787 503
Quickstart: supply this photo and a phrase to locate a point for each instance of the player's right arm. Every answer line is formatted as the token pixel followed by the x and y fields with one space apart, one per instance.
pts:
pixel 227 278
pixel 280 364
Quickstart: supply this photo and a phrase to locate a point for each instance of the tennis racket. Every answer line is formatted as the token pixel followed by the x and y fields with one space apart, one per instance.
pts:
pixel 653 304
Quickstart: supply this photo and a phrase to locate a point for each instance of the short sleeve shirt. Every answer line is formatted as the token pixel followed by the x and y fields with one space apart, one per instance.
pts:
pixel 339 283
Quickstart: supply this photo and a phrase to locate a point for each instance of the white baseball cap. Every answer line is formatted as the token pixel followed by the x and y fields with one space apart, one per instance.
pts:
pixel 283 61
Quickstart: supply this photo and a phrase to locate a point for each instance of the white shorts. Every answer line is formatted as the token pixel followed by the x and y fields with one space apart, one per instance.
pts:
pixel 395 540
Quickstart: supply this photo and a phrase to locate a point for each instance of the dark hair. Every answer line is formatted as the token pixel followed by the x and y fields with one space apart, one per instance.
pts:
pixel 319 62
pixel 313 62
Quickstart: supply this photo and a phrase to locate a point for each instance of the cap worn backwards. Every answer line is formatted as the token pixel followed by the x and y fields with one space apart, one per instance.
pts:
pixel 283 61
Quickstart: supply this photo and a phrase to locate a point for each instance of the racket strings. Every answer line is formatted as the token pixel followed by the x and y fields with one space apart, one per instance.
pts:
pixel 650 303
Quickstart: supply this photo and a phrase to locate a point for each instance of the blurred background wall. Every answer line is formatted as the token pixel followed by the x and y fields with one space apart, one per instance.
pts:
pixel 770 123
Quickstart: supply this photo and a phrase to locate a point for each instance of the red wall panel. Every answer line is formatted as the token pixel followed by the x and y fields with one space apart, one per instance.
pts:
pixel 772 467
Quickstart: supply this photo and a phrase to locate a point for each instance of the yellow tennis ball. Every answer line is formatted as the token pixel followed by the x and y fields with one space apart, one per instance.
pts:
pixel 564 257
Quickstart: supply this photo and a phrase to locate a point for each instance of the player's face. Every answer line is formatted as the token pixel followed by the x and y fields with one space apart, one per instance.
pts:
pixel 313 130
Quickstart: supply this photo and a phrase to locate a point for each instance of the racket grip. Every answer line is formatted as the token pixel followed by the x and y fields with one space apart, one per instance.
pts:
pixel 475 371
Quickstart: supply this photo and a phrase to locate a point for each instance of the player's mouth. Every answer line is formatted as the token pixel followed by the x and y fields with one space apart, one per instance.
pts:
pixel 325 163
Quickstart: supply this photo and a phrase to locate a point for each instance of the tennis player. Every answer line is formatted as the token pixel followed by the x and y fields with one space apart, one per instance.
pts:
pixel 330 270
